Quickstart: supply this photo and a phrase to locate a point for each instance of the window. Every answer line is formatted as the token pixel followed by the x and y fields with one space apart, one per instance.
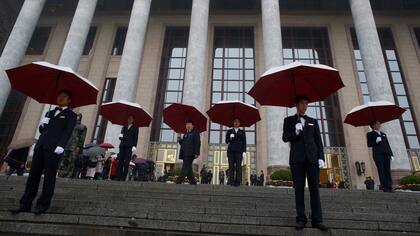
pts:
pixel 233 73
pixel 311 46
pixel 119 40
pixel 38 41
pixel 90 40
pixel 171 80
pixel 101 122
pixel 396 76
pixel 9 119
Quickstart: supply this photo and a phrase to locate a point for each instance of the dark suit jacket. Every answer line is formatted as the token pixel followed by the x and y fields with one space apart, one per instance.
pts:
pixel 238 143
pixel 17 157
pixel 305 146
pixel 130 136
pixel 58 130
pixel 190 145
pixel 381 148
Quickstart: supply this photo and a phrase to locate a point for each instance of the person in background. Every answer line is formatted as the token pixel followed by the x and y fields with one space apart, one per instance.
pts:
pixel 91 166
pixel 78 166
pixel 306 159
pixel 114 167
pixel 370 184
pixel 73 148
pixel 382 155
pixel 261 178
pixel 16 159
pixel 236 140
pixel 221 177
pixel 55 131
pixel 129 136
pixel 99 167
pixel 190 150
pixel 107 167
pixel 209 177
pixel 203 175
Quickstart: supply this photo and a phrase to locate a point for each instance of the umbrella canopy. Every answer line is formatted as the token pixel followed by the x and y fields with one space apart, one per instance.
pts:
pixel 381 111
pixel 280 86
pixel 21 143
pixel 106 145
pixel 139 161
pixel 92 150
pixel 225 112
pixel 118 113
pixel 43 81
pixel 176 114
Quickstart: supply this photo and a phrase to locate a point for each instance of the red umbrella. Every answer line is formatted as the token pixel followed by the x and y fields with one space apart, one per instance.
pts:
pixel 118 113
pixel 225 112
pixel 176 114
pixel 381 111
pixel 43 81
pixel 280 86
pixel 106 145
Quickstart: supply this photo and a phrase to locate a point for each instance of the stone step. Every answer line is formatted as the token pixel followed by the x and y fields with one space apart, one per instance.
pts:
pixel 193 223
pixel 84 207
pixel 259 192
pixel 226 203
pixel 240 193
pixel 141 210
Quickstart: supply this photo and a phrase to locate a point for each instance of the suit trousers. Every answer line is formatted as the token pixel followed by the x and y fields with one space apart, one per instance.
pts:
pixel 301 171
pixel 187 170
pixel 235 168
pixel 383 164
pixel 124 163
pixel 43 162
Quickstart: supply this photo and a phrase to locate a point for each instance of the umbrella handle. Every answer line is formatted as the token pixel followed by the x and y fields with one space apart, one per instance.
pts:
pixel 55 87
pixel 293 84
pixel 49 109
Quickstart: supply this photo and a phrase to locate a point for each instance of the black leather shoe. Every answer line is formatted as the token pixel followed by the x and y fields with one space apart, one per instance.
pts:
pixel 20 209
pixel 320 226
pixel 300 225
pixel 39 211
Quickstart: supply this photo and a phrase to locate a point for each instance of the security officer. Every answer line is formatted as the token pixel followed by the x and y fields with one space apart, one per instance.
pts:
pixel 56 129
pixel 382 155
pixel 73 148
pixel 306 159
pixel 236 140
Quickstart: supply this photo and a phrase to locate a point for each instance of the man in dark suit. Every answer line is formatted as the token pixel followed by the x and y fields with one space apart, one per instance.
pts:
pixel 56 128
pixel 306 159
pixel 129 137
pixel 236 140
pixel 16 159
pixel 261 178
pixel 382 155
pixel 190 150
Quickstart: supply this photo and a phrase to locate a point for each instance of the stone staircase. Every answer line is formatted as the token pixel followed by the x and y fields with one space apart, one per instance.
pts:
pixel 83 207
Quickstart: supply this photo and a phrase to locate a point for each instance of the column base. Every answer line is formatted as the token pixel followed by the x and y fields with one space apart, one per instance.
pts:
pixel 397 174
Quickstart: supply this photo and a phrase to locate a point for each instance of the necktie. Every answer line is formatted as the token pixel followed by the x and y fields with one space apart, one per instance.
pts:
pixel 57 110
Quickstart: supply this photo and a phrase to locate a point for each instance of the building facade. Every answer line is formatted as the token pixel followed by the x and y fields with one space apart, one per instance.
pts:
pixel 199 52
